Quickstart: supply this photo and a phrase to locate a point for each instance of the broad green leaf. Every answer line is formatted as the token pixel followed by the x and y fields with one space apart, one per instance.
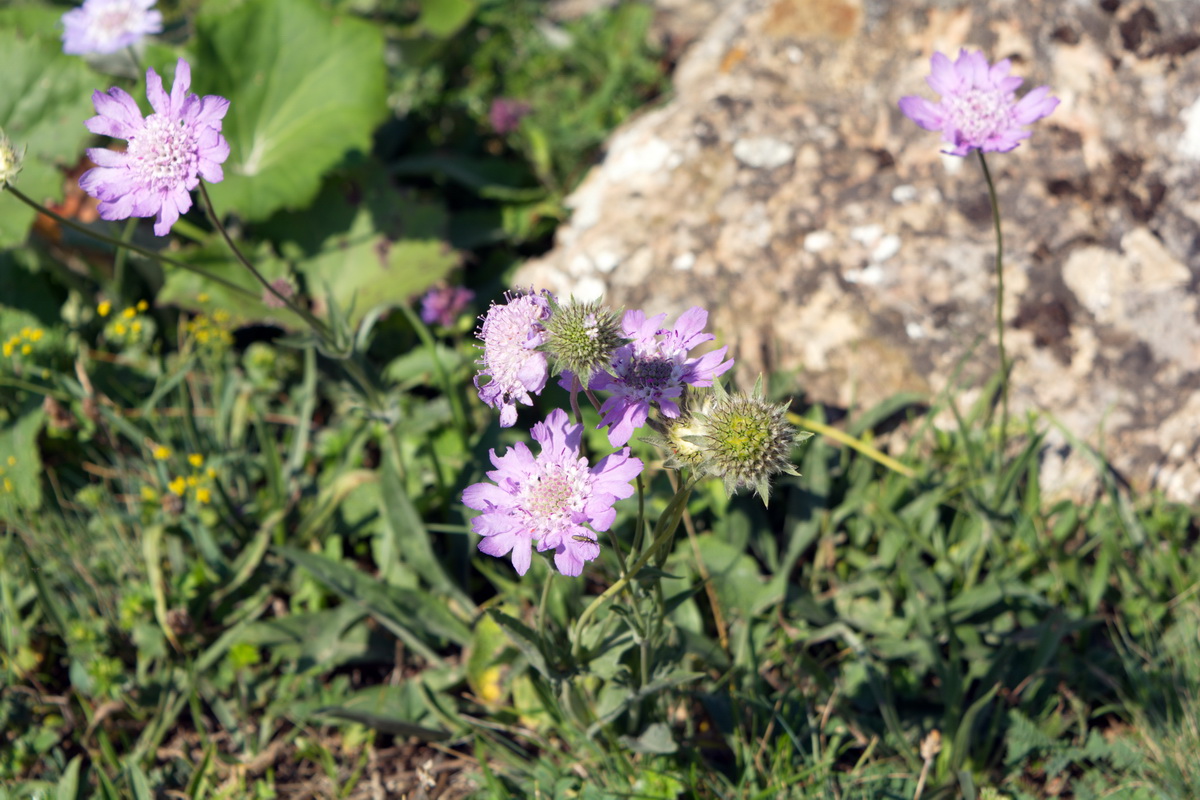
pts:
pixel 45 97
pixel 306 87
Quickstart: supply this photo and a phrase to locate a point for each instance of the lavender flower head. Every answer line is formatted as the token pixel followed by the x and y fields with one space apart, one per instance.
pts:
pixel 444 303
pixel 106 26
pixel 978 109
pixel 169 151
pixel 550 499
pixel 511 334
pixel 654 368
pixel 505 115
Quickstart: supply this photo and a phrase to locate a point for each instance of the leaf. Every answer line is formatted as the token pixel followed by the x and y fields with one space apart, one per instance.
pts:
pixel 20 460
pixel 45 96
pixel 655 740
pixel 68 784
pixel 305 88
pixel 525 640
pixel 411 615
pixel 443 18
pixel 197 293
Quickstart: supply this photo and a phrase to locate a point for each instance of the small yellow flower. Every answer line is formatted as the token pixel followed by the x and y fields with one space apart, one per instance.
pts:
pixel 26 349
pixel 202 297
pixel 104 308
pixel 162 452
pixel 25 332
pixel 196 460
pixel 220 315
pixel 142 305
pixel 36 335
pixel 7 349
pixel 211 473
pixel 204 495
pixel 129 313
pixel 148 494
pixel 119 329
pixel 193 481
pixel 178 486
pixel 136 326
pixel 12 461
pixel 8 484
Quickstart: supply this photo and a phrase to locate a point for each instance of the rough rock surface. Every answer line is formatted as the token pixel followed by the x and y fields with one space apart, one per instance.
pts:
pixel 781 188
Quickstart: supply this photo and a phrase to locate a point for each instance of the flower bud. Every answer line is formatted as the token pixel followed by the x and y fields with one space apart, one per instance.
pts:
pixel 582 338
pixel 10 161
pixel 741 439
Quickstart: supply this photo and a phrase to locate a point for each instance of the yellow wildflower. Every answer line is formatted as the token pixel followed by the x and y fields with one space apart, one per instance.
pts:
pixel 119 329
pixel 196 460
pixel 148 494
pixel 129 313
pixel 178 486
pixel 104 308
pixel 142 305
pixel 36 335
pixel 26 349
pixel 204 495
pixel 8 484
pixel 7 349
pixel 136 326
pixel 162 452
pixel 12 461
pixel 212 474
pixel 202 297
pixel 193 481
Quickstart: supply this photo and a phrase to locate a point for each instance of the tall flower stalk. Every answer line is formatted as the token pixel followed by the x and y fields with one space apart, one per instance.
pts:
pixel 979 111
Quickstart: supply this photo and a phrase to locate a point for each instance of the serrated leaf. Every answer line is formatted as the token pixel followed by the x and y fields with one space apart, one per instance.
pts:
pixel 45 96
pixel 305 87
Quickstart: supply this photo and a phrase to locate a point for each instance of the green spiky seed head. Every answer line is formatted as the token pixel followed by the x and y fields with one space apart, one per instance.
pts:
pixel 582 337
pixel 740 438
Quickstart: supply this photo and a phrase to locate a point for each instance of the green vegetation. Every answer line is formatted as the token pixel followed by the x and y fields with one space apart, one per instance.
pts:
pixel 234 560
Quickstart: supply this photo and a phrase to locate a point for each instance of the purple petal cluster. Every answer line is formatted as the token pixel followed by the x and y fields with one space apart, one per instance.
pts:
pixel 106 26
pixel 169 150
pixel 515 368
pixel 654 368
pixel 553 500
pixel 443 304
pixel 505 115
pixel 978 109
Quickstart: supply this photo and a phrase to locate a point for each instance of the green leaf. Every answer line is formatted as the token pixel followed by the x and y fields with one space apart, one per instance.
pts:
pixel 411 615
pixel 656 739
pixel 198 294
pixel 68 784
pixel 525 640
pixel 45 96
pixel 20 460
pixel 443 18
pixel 305 88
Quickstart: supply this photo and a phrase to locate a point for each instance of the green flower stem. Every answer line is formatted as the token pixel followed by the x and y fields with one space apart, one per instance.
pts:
pixel 663 533
pixel 118 244
pixel 455 398
pixel 830 432
pixel 545 601
pixel 317 325
pixel 121 257
pixel 991 186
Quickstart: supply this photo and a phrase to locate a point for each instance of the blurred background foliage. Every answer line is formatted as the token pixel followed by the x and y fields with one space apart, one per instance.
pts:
pixel 224 573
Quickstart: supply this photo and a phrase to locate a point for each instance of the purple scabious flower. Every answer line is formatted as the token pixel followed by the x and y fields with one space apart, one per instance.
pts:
pixel 654 368
pixel 444 303
pixel 169 151
pixel 978 109
pixel 106 26
pixel 550 498
pixel 505 115
pixel 511 334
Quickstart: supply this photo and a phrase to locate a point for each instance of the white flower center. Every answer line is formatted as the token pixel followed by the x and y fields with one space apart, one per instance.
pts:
pixel 981 113
pixel 165 152
pixel 552 495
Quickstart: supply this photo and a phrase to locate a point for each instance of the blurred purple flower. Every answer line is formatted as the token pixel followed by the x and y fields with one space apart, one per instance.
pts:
pixel 443 304
pixel 169 151
pixel 106 26
pixel 505 115
pixel 550 498
pixel 978 109
pixel 511 334
pixel 284 287
pixel 651 369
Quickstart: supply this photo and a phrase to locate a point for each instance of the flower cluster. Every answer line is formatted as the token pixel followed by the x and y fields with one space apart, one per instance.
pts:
pixel 129 329
pixel 213 332
pixel 10 161
pixel 555 500
pixel 197 483
pixel 22 343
